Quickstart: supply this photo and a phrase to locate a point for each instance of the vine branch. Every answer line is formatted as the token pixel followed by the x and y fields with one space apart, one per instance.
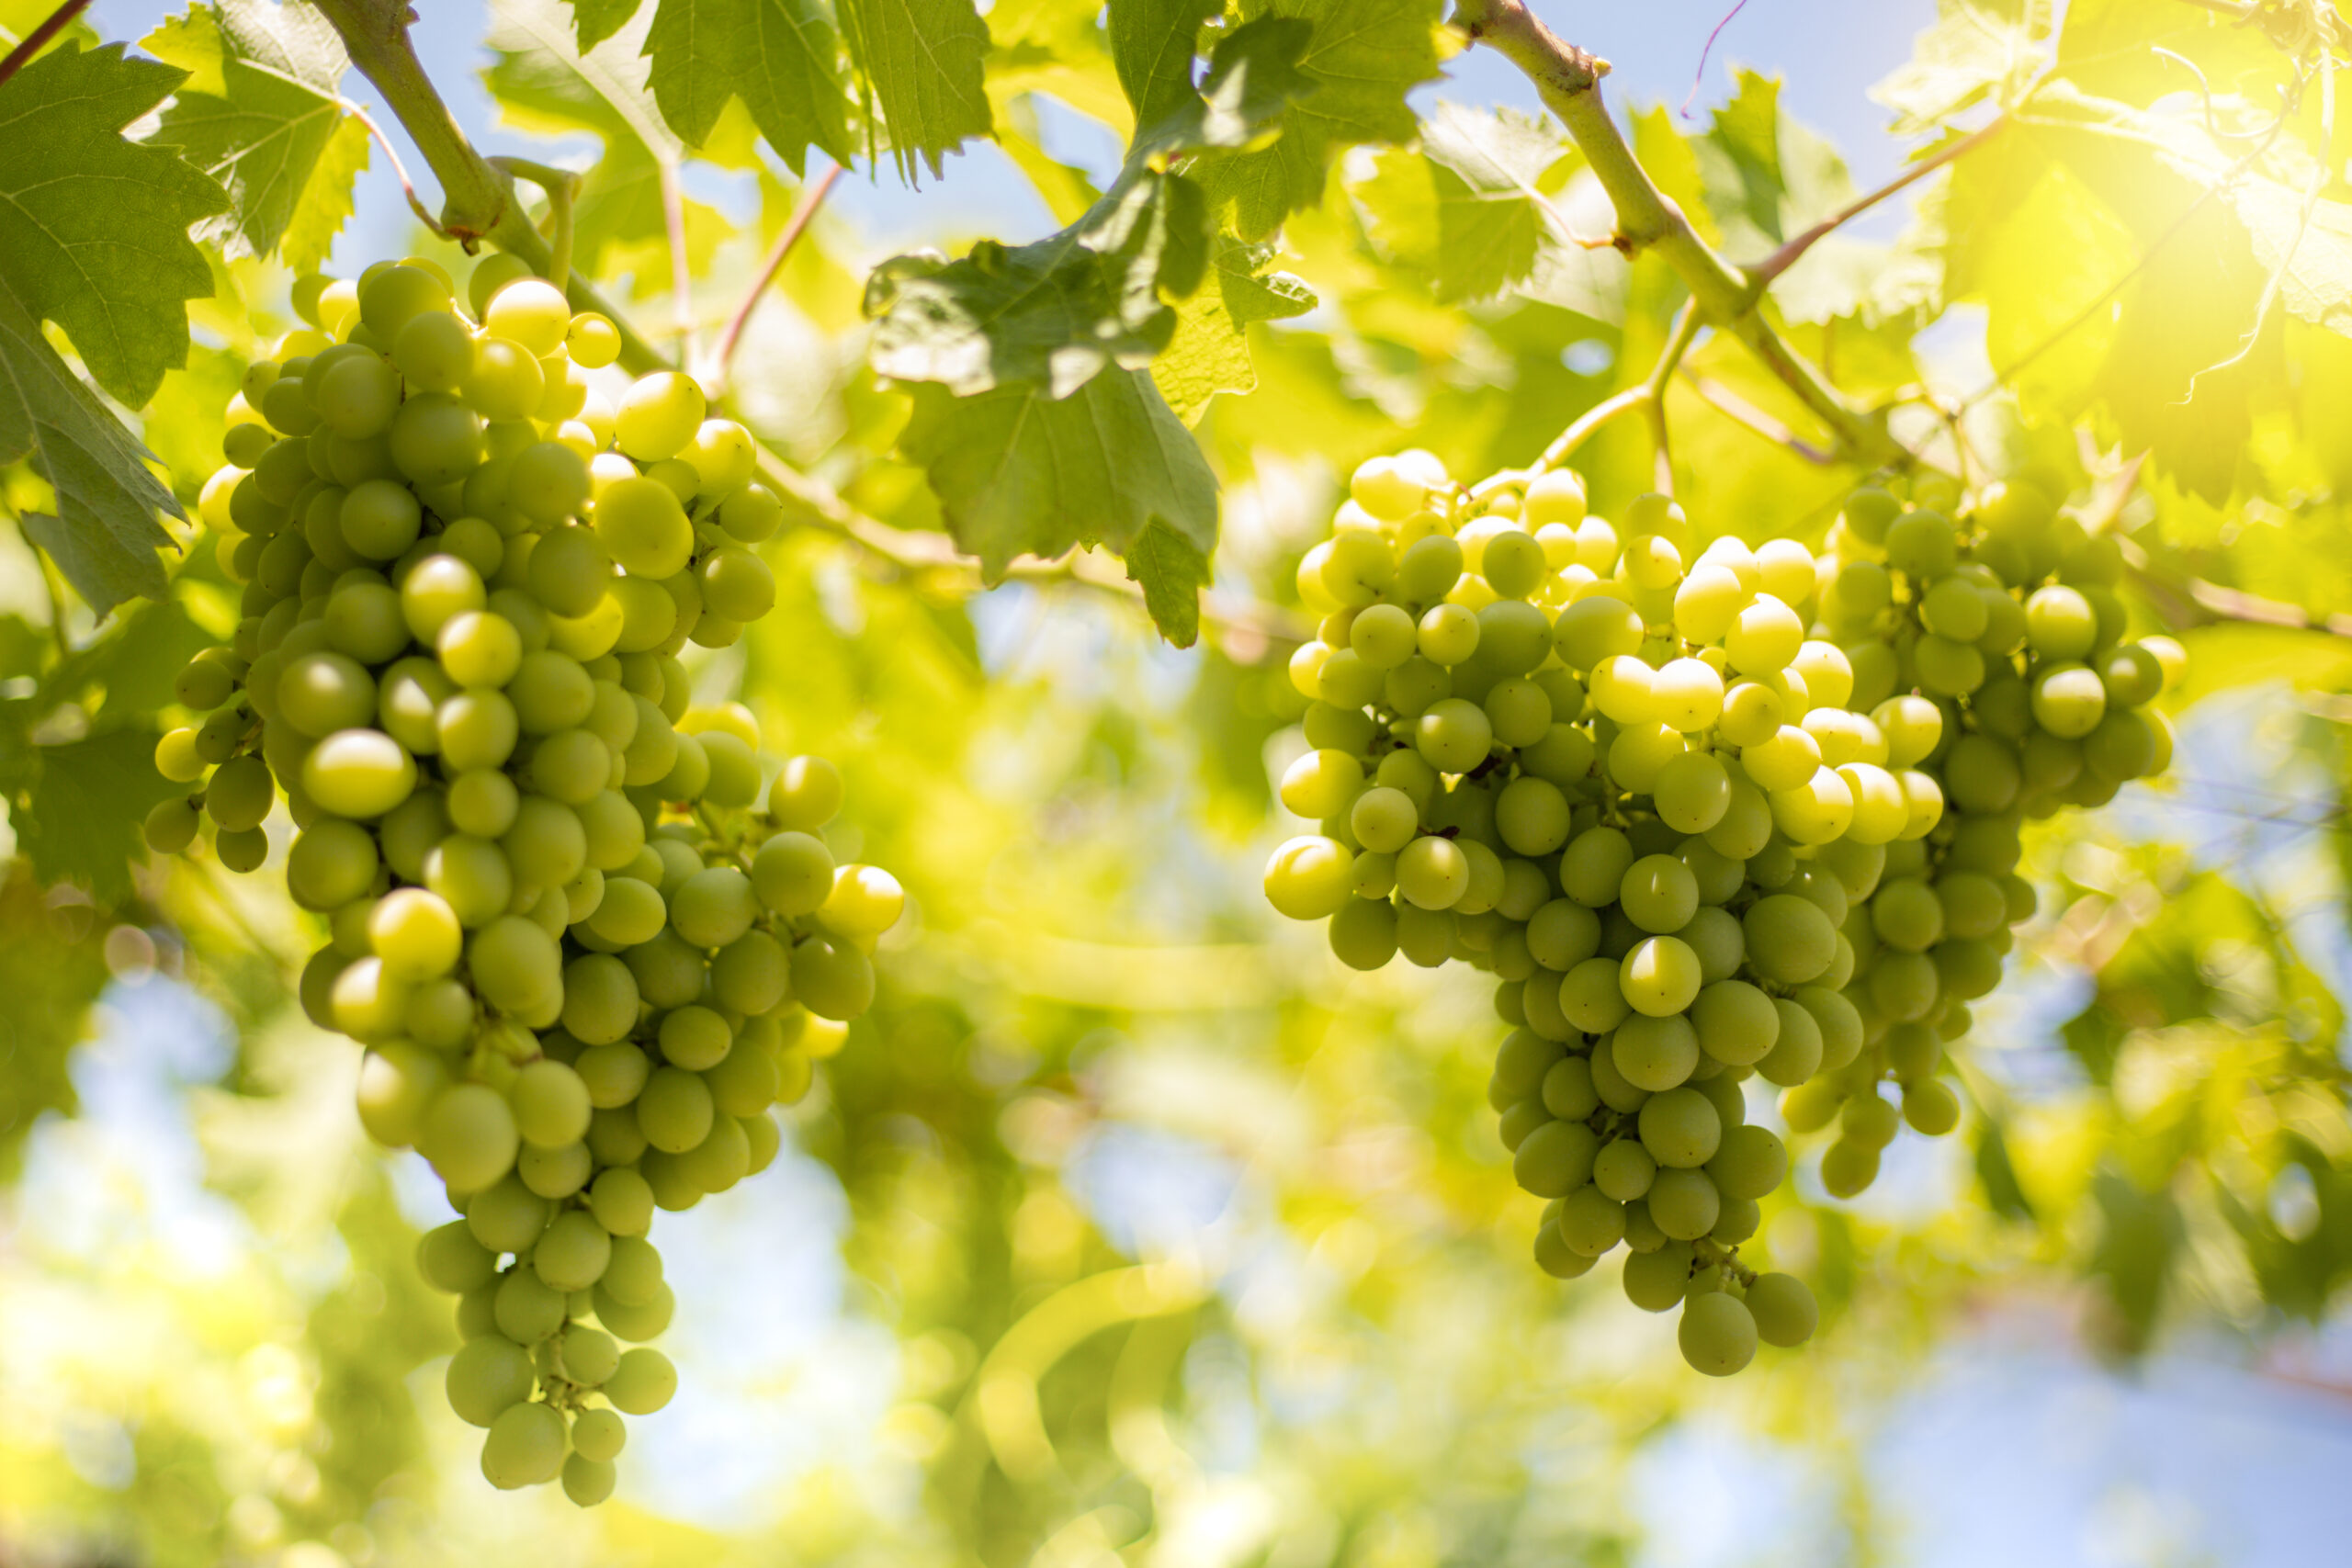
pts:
pixel 1568 80
pixel 56 22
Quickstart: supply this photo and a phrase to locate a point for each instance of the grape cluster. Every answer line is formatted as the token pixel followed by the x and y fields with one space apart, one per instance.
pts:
pixel 1647 787
pixel 587 934
pixel 2001 634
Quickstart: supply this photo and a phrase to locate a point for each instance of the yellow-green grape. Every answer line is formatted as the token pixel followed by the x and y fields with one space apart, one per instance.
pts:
pixel 1782 1309
pixel 642 1383
pixel 1655 1052
pixel 659 417
pixel 591 341
pixel 1717 1333
pixel 643 528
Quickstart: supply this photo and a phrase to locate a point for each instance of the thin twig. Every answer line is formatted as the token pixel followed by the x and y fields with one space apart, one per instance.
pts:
pixel 2317 182
pixel 1779 261
pixel 1643 398
pixel 408 187
pixel 811 198
pixel 55 23
pixel 1699 76
pixel 673 220
pixel 1747 416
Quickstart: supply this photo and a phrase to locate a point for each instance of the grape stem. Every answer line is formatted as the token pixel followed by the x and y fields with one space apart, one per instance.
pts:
pixel 1711 1254
pixel 408 186
pixel 562 187
pixel 1569 79
pixel 803 214
pixel 56 22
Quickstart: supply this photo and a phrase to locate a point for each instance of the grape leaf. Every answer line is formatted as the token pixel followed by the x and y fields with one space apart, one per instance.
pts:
pixel 259 112
pixel 94 228
pixel 1058 310
pixel 325 205
pixel 104 535
pixel 1021 473
pixel 1171 569
pixel 543 83
pixel 920 59
pixel 1362 57
pixel 83 813
pixel 1152 44
pixel 1467 210
pixel 596 20
pixel 1210 352
pixel 1977 50
pixel 49 979
pixel 781 57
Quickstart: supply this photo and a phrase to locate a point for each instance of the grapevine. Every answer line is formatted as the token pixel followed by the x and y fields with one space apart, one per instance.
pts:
pixel 586 932
pixel 1709 816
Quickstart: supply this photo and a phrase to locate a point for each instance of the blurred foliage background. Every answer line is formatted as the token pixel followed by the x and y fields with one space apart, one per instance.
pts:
pixel 1130 1227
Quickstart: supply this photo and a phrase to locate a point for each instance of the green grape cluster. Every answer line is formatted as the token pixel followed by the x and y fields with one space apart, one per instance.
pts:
pixel 1999 634
pixel 1707 815
pixel 1587 758
pixel 588 935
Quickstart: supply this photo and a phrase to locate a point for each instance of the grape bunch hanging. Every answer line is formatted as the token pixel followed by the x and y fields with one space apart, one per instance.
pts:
pixel 1708 815
pixel 588 935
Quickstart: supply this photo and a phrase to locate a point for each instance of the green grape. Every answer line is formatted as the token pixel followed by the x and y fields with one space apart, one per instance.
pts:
pixel 1654 1053
pixel 1847 1168
pixel 1624 1170
pixel 525 1447
pixel 1658 893
pixel 169 825
pixel 507 1217
pixel 517 968
pixel 1735 1023
pixel 1931 1108
pixel 1661 977
pixel 622 1204
pixel 1684 1205
pixel 1432 872
pixel 1567 1090
pixel 470 1137
pixel 331 863
pixel 380 519
pixel 416 934
pixel 1714 936
pixel 675 1110
pixel 358 773
pixel 1748 1163
pixel 1562 934
pixel 1782 1309
pixel 1654 1280
pixel 551 1104
pixel 1717 1335
pixel 641 527
pixel 321 693
pixel 1789 940
pixel 572 1255
pixel 1796 1050
pixel 452 1260
pixel 1590 1221
pixel 1555 1159
pixel 1680 1128
pixel 488 1377
pixel 554 1173
pixel 1592 997
pixel 1906 914
pixel 642 1383
pixel 2061 623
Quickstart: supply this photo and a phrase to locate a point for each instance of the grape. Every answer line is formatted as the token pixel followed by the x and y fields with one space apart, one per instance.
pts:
pixel 1654 1053
pixel 488 1377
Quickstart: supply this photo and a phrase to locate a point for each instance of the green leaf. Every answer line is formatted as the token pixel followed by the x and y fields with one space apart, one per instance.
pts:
pixel 1210 351
pixel 105 535
pixel 94 228
pixel 1978 49
pixel 920 60
pixel 1363 56
pixel 1172 571
pixel 1020 473
pixel 49 979
pixel 82 821
pixel 781 57
pixel 1997 1176
pixel 1253 77
pixel 1057 312
pixel 543 84
pixel 1152 44
pixel 1468 209
pixel 325 205
pixel 593 21
pixel 259 113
